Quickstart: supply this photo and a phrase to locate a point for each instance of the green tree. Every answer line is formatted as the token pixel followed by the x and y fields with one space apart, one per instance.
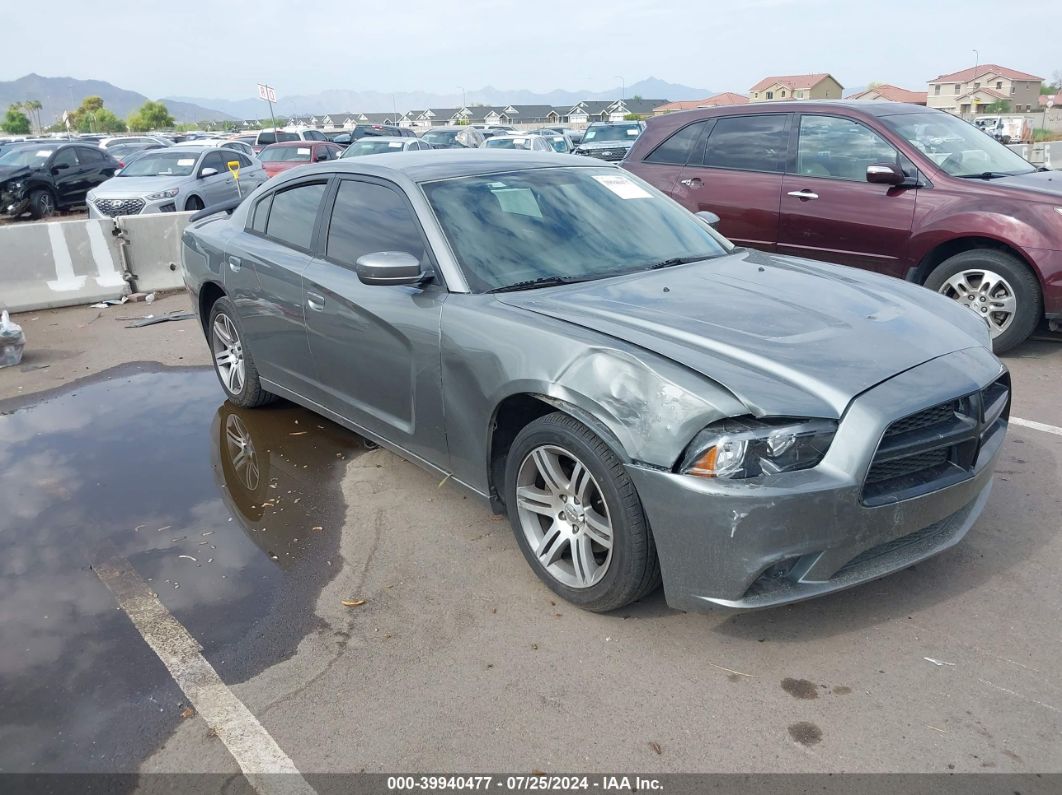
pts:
pixel 102 121
pixel 1000 106
pixel 152 115
pixel 632 117
pixel 33 107
pixel 15 121
pixel 89 107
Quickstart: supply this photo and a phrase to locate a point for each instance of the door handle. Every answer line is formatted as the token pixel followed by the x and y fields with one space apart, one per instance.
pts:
pixel 803 194
pixel 234 264
pixel 692 182
pixel 315 301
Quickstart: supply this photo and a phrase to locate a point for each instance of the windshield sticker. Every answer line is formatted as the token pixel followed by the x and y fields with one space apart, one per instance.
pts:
pixel 302 151
pixel 43 153
pixel 633 132
pixel 395 144
pixel 186 161
pixel 623 187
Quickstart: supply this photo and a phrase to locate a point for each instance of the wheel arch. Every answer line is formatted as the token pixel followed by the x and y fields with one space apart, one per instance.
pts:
pixel 949 248
pixel 192 196
pixel 209 293
pixel 513 414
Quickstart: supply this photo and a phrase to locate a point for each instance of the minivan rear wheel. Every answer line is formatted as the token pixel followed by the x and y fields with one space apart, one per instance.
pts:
pixel 997 287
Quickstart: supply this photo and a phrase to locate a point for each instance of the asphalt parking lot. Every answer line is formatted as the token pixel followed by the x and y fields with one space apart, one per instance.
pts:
pixel 123 468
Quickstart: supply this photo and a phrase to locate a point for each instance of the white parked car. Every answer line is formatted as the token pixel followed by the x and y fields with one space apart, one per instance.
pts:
pixel 174 179
pixel 217 143
pixel 529 143
pixel 379 144
pixel 105 143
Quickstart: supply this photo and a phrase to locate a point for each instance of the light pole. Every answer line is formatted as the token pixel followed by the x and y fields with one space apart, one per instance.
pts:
pixel 977 58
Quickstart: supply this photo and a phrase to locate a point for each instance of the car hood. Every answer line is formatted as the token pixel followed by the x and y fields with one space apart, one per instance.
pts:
pixel 784 335
pixel 624 144
pixel 121 187
pixel 14 172
pixel 1049 182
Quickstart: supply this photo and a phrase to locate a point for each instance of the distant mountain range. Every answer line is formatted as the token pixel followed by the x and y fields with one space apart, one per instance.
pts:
pixel 59 94
pixel 344 101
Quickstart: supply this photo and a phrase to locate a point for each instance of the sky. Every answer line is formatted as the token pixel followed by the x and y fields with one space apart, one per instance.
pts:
pixel 200 49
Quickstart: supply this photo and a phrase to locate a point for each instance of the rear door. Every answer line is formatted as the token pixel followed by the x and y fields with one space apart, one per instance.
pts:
pixel 96 168
pixel 376 347
pixel 830 212
pixel 739 177
pixel 264 271
pixel 66 171
pixel 663 166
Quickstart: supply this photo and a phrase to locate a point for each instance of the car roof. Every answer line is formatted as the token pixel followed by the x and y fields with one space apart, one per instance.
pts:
pixel 374 138
pixel 180 149
pixel 440 164
pixel 866 107
pixel 289 144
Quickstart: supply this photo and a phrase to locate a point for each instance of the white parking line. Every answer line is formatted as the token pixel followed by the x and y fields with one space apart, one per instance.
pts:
pixel 1037 426
pixel 255 751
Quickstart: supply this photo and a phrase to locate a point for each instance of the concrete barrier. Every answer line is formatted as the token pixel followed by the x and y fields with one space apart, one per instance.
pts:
pixel 1047 154
pixel 153 249
pixel 67 263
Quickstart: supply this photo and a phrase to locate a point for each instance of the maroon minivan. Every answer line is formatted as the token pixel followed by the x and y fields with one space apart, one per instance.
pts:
pixel 900 189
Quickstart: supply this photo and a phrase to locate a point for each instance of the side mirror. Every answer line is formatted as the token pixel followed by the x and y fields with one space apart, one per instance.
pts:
pixel 60 167
pixel 885 174
pixel 117 171
pixel 322 156
pixel 389 267
pixel 709 218
pixel 207 172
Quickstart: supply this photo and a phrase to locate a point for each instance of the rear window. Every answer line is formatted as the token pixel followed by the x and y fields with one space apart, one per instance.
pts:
pixel 293 214
pixel 676 149
pixel 749 143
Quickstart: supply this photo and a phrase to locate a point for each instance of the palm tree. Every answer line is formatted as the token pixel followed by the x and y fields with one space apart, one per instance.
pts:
pixel 34 106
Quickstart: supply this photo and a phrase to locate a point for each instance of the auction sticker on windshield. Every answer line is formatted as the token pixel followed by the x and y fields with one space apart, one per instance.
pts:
pixel 395 145
pixel 302 151
pixel 186 161
pixel 623 187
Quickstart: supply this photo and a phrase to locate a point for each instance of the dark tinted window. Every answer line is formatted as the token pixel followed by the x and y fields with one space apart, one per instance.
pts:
pixel 676 149
pixel 86 155
pixel 293 213
pixel 245 161
pixel 261 214
pixel 313 135
pixel 65 157
pixel 214 160
pixel 368 218
pixel 752 143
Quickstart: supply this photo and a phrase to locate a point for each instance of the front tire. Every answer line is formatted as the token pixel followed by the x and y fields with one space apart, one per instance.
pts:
pixel 42 204
pixel 996 286
pixel 233 362
pixel 577 516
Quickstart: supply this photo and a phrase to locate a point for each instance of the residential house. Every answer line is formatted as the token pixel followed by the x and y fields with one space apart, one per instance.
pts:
pixel 715 101
pixel 616 110
pixel 965 91
pixel 786 87
pixel 1054 99
pixel 883 92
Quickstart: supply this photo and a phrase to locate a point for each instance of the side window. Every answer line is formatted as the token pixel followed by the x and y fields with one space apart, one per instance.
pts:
pixel 261 214
pixel 89 156
pixel 676 149
pixel 65 157
pixel 215 160
pixel 837 148
pixel 245 161
pixel 293 214
pixel 749 143
pixel 323 153
pixel 367 218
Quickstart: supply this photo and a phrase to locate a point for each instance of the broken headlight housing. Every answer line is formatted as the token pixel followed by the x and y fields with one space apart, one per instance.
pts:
pixel 747 447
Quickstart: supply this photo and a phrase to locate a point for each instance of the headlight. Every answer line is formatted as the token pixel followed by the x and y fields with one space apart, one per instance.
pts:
pixel 748 447
pixel 163 194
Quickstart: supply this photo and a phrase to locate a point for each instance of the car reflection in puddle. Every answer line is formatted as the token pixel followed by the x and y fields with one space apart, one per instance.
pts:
pixel 215 507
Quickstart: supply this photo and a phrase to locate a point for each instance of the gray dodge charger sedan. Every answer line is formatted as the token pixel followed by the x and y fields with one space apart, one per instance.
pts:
pixel 643 399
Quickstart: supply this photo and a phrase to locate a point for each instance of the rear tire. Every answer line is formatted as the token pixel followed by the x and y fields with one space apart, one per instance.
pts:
pixel 560 529
pixel 233 362
pixel 42 204
pixel 984 278
pixel 193 204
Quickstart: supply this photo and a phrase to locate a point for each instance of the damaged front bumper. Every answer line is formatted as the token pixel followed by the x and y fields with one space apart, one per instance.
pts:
pixel 772 540
pixel 13 200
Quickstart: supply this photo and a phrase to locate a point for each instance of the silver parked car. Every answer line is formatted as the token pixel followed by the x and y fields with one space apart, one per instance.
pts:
pixel 173 179
pixel 218 143
pixel 526 143
pixel 644 400
pixel 380 144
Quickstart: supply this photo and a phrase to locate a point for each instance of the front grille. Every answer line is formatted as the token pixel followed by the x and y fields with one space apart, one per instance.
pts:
pixel 927 534
pixel 935 447
pixel 116 207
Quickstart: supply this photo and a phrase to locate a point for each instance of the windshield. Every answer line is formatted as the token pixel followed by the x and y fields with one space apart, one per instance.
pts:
pixel 372 147
pixel 441 136
pixel 558 143
pixel 295 153
pixel 508 143
pixel 568 223
pixel 161 164
pixel 273 138
pixel 613 132
pixel 32 156
pixel 958 148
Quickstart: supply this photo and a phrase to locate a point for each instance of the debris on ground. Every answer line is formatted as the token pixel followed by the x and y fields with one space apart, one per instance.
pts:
pixel 656 747
pixel 151 320
pixel 937 662
pixel 111 302
pixel 188 712
pixel 353 602
pixel 12 341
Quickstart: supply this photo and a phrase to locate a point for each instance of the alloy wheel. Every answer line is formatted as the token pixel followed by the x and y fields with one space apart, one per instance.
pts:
pixel 985 293
pixel 228 353
pixel 241 452
pixel 564 517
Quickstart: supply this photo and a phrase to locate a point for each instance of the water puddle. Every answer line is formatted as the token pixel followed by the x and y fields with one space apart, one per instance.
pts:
pixel 232 516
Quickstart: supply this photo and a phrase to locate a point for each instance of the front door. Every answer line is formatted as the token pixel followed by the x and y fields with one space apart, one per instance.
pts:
pixel 830 212
pixel 68 177
pixel 220 186
pixel 739 177
pixel 376 347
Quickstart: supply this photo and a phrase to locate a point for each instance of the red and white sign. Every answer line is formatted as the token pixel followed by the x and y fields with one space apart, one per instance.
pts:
pixel 267 93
